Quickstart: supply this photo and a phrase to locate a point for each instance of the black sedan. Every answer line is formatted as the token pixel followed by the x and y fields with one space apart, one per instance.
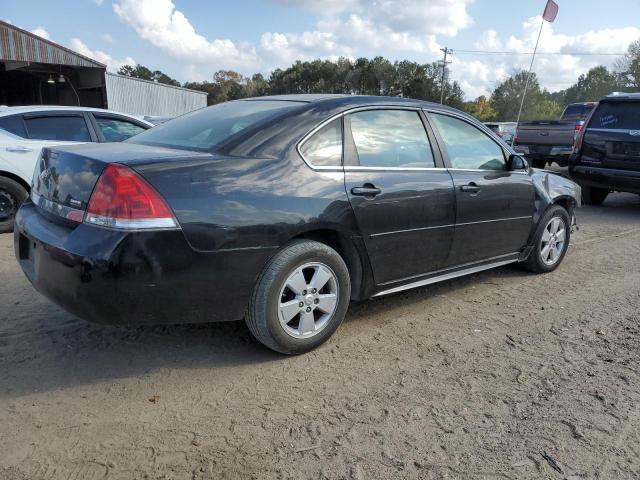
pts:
pixel 281 210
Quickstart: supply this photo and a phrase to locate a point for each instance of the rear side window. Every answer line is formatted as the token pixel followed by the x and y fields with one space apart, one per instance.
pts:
pixel 467 146
pixel 324 148
pixel 617 115
pixel 205 129
pixel 13 124
pixel 117 130
pixel 391 138
pixel 69 128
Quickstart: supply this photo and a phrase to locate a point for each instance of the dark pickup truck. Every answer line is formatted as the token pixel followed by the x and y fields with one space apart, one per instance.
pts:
pixel 544 142
pixel 607 151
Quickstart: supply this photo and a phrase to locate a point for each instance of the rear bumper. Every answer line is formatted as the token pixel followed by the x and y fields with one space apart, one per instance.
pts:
pixel 118 277
pixel 536 151
pixel 607 178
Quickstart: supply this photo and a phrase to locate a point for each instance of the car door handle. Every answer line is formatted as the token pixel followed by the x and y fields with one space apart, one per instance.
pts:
pixel 367 190
pixel 19 149
pixel 470 188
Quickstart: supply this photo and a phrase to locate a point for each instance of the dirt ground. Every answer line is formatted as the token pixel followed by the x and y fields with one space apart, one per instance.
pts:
pixel 474 378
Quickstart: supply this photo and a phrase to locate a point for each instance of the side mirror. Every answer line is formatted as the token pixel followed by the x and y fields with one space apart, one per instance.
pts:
pixel 516 162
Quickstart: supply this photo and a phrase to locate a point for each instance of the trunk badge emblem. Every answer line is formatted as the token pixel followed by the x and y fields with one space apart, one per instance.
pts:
pixel 634 133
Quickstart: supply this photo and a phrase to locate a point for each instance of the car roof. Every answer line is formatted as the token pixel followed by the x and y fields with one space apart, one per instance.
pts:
pixel 620 96
pixel 344 101
pixel 4 110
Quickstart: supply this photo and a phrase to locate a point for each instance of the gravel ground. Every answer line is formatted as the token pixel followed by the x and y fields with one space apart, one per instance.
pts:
pixel 479 377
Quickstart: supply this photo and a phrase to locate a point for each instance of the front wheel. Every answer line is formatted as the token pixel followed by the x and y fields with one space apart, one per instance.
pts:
pixel 551 241
pixel 300 298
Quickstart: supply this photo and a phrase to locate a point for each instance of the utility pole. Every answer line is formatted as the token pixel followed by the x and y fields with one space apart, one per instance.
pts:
pixel 444 62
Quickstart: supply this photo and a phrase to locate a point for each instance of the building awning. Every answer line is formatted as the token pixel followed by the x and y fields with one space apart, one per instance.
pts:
pixel 18 45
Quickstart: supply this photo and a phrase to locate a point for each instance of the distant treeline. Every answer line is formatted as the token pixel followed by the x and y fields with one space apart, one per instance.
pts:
pixel 379 76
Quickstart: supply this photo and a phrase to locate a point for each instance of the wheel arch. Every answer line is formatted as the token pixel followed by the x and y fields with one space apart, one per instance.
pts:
pixel 353 255
pixel 16 178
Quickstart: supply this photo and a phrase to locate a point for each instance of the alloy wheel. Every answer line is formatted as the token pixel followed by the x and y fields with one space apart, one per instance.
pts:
pixel 308 300
pixel 553 241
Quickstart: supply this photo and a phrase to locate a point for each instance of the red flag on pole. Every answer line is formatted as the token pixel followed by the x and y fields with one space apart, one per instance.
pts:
pixel 550 11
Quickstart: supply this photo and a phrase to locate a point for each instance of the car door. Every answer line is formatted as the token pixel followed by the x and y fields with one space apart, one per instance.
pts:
pixel 18 152
pixel 494 206
pixel 400 192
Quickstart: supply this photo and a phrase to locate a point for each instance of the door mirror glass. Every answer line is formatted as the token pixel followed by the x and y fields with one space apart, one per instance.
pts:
pixel 516 162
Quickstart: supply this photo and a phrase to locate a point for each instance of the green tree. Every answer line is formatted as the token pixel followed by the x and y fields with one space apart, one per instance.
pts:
pixel 481 108
pixel 142 72
pixel 629 67
pixel 507 96
pixel 592 86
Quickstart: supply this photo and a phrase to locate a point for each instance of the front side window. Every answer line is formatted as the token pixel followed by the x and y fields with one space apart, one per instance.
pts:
pixel 63 127
pixel 324 148
pixel 391 138
pixel 117 130
pixel 205 129
pixel 468 147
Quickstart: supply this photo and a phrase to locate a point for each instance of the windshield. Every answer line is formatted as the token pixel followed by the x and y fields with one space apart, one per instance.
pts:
pixel 204 129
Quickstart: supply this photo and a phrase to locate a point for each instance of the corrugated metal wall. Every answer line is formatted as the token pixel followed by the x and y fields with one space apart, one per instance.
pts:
pixel 141 97
pixel 21 46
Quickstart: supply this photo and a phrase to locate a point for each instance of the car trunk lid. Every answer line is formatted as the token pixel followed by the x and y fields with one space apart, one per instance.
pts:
pixel 64 178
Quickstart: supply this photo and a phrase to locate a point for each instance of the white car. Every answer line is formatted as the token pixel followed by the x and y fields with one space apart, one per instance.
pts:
pixel 24 131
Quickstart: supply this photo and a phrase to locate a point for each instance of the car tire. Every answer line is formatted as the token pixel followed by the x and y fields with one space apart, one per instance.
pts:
pixel 12 194
pixel 594 196
pixel 286 313
pixel 546 256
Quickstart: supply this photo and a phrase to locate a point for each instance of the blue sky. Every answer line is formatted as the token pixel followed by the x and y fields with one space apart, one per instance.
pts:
pixel 191 39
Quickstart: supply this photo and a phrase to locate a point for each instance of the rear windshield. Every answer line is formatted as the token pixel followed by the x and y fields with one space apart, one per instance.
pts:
pixel 577 113
pixel 204 129
pixel 617 115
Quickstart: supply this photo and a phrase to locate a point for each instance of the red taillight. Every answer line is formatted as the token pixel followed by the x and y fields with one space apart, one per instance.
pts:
pixel 123 199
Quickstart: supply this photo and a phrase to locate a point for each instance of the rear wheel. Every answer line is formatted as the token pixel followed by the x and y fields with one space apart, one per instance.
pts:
pixel 300 298
pixel 12 194
pixel 593 195
pixel 550 241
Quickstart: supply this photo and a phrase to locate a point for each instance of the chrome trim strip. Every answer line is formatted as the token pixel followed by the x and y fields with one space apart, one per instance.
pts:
pixel 476 170
pixel 374 235
pixel 447 276
pixel 359 168
pixel 614 130
pixel 56 208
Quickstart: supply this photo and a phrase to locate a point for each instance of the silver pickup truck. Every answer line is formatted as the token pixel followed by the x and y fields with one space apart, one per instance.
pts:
pixel 544 142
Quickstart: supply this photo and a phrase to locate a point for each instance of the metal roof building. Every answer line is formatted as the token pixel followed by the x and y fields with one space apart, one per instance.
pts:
pixel 37 71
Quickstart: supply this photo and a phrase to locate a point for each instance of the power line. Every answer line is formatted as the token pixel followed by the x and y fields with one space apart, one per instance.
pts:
pixel 491 52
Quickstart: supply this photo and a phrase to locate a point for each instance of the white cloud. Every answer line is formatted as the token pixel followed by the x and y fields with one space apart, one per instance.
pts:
pixel 107 38
pixel 113 64
pixel 41 32
pixel 344 28
pixel 393 28
pixel 479 75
